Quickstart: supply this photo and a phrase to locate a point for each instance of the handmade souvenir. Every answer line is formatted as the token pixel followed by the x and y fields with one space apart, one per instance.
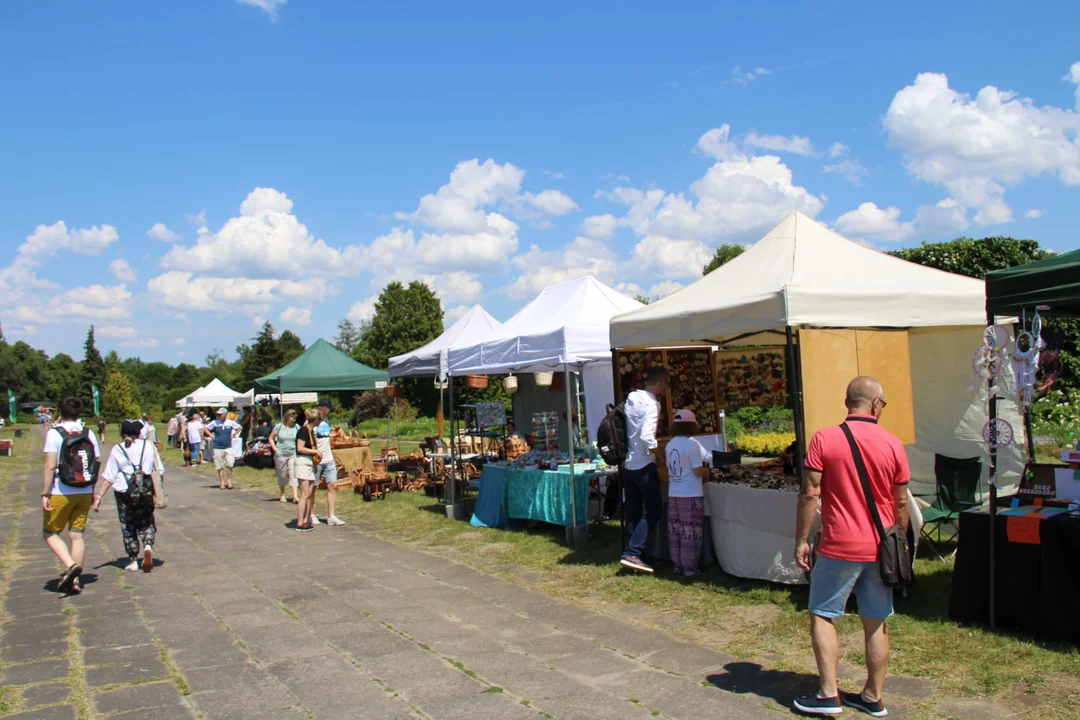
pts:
pixel 997 433
pixel 745 378
pixel 692 386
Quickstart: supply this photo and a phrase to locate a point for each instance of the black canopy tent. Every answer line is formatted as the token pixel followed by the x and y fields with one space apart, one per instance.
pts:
pixel 1051 287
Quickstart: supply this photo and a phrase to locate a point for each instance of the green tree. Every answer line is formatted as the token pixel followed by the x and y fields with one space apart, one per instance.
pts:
pixel 63 373
pixel 116 402
pixel 723 254
pixel 263 357
pixel 291 346
pixel 348 336
pixel 93 370
pixel 644 300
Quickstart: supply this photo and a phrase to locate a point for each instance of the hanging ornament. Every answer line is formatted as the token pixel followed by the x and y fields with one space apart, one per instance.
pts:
pixel 988 362
pixel 1026 356
pixel 996 337
pixel 997 433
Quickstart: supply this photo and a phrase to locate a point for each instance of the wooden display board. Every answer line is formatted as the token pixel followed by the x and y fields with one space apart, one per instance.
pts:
pixel 693 384
pixel 829 359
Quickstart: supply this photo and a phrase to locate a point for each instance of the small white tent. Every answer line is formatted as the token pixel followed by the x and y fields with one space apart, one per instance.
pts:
pixel 431 359
pixel 214 393
pixel 250 398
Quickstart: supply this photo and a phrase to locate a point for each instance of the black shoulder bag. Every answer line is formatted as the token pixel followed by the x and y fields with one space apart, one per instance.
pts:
pixel 894 557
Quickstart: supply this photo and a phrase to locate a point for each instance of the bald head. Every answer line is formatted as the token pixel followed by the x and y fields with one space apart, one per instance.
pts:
pixel 862 392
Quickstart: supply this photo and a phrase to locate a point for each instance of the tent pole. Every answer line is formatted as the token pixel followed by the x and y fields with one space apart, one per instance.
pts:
pixel 992 482
pixel 439 412
pixel 570 437
pixel 453 449
pixel 797 400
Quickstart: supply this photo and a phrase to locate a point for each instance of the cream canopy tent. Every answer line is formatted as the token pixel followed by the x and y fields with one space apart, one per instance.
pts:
pixel 214 393
pixel 801 274
pixel 431 359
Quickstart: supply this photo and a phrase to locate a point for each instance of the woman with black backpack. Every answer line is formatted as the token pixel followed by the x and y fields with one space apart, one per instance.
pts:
pixel 129 472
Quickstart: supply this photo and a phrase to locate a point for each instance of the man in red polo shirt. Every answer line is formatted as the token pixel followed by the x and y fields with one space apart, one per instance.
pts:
pixel 848 552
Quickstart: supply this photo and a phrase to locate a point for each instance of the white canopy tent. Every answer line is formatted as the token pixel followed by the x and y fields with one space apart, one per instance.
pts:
pixel 214 393
pixel 250 398
pixel 431 359
pixel 802 274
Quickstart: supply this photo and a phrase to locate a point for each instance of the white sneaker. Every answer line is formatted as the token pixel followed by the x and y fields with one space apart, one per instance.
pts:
pixel 315 519
pixel 334 520
pixel 133 566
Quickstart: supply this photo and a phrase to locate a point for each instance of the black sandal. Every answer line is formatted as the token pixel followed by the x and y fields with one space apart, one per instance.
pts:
pixel 69 577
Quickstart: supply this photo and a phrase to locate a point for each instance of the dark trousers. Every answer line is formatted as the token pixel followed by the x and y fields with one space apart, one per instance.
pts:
pixel 643 506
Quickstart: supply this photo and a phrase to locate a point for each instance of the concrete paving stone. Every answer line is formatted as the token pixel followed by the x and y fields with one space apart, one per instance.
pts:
pixel 281 642
pixel 683 698
pixel 353 689
pixel 121 654
pixel 537 685
pixel 128 672
pixel 371 646
pixel 444 683
pixel 553 646
pixel 112 635
pixel 485 706
pixel 48 610
pixel 246 674
pixel 210 654
pixel 37 651
pixel 592 706
pixel 36 672
pixel 176 712
pixel 243 703
pixel 47 694
pixel 326 610
pixel 687 659
pixel 463 646
pixel 634 640
pixel 29 633
pixel 57 712
pixel 153 695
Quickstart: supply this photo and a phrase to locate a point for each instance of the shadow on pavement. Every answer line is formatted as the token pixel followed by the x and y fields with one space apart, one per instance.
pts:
pixel 747 678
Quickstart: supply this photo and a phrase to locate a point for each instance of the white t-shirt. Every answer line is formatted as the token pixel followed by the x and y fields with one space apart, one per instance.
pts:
pixel 123 461
pixel 53 443
pixel 194 431
pixel 683 455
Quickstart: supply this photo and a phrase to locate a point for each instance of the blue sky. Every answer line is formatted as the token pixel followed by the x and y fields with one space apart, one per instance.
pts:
pixel 176 172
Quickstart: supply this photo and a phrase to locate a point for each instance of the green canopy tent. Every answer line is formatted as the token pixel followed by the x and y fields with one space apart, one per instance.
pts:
pixel 1052 287
pixel 324 368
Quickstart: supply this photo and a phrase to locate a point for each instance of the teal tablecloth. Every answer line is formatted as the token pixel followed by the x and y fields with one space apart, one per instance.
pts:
pixel 542 495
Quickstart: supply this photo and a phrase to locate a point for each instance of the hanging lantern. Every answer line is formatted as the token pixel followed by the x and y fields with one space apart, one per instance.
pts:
pixel 543 379
pixel 441 384
pixel 510 384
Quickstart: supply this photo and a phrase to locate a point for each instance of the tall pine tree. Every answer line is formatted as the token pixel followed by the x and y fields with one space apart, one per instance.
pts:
pixel 263 357
pixel 91 373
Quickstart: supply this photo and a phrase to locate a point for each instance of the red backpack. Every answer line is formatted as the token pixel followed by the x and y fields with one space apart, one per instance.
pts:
pixel 77 462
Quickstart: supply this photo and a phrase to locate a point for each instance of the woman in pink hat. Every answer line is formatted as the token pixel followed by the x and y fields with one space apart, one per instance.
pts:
pixel 686 464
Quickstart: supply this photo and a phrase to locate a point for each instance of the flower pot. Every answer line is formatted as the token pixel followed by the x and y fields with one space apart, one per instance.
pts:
pixel 393 391
pixel 543 379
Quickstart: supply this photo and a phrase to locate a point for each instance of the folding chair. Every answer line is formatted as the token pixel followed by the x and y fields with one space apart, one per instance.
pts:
pixel 957 482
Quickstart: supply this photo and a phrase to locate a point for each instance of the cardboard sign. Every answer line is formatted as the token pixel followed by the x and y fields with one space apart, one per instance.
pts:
pixel 1024 529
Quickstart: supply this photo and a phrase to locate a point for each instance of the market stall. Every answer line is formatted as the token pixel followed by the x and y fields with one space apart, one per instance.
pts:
pixel 796 317
pixel 532 493
pixel 250 398
pixel 563 330
pixel 1022 547
pixel 213 394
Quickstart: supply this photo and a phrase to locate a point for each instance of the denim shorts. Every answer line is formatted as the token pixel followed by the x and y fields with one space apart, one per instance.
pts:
pixel 833 581
pixel 327 470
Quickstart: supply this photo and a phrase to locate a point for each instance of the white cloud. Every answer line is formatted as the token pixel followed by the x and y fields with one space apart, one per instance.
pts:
pixel 362 310
pixel 96 303
pixel 551 202
pixel 599 226
pixel 47 240
pixel 848 167
pixel 796 144
pixel 947 217
pixel 870 221
pixel 185 291
pixel 162 233
pixel 114 331
pixel 838 149
pixel 453 314
pixel 671 258
pixel 257 320
pixel 554 175
pixel 1034 214
pixel 270 6
pixel 541 268
pixel 198 219
pixel 141 343
pixel 177 341
pixel 1073 76
pixel 745 77
pixel 975 148
pixel 295 316
pixel 122 271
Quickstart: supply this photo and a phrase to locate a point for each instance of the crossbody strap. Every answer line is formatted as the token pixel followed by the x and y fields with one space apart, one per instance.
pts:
pixel 864 479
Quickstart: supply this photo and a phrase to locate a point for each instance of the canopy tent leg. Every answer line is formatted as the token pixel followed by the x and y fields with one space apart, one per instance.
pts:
pixel 453 448
pixel 795 385
pixel 570 437
pixel 992 482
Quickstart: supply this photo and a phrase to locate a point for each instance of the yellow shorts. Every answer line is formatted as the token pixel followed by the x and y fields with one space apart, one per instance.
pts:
pixel 68 511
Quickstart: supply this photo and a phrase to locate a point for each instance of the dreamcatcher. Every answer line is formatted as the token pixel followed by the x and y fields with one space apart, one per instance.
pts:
pixel 997 433
pixel 988 361
pixel 1026 356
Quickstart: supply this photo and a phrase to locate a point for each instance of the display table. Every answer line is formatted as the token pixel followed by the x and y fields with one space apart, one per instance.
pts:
pixel 1037 584
pixel 508 493
pixel 356 457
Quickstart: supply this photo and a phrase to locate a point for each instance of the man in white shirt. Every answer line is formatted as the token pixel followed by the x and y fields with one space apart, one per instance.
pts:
pixel 65 505
pixel 195 433
pixel 643 505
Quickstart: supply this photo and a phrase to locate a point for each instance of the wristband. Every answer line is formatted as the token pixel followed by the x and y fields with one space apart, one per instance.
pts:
pixel 46 494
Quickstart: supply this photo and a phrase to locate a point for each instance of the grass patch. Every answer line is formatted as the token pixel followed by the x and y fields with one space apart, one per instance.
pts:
pixel 288 612
pixel 493 690
pixel 745 618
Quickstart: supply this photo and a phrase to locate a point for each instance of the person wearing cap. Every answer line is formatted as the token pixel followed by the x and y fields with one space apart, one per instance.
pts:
pixel 129 462
pixel 686 464
pixel 326 472
pixel 223 430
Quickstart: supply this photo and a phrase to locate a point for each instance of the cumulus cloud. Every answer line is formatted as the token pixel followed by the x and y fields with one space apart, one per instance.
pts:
pixel 95 303
pixel 796 144
pixel 362 310
pixel 122 271
pixel 976 147
pixel 599 226
pixel 141 343
pixel 295 316
pixel 271 7
pixel 541 268
pixel 198 219
pixel 551 202
pixel 159 232
pixel 1034 214
pixel 47 240
pixel 185 291
pixel 870 221
pixel 114 331
pixel 846 166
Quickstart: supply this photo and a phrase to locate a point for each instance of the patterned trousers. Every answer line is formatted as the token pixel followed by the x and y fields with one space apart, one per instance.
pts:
pixel 686 522
pixel 136 521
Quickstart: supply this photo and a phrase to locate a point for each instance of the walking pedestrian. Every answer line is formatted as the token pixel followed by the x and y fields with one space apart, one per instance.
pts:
pixel 129 470
pixel 686 465
pixel 327 471
pixel 283 445
pixel 307 461
pixel 195 432
pixel 848 551
pixel 72 460
pixel 643 502
pixel 172 430
pixel 223 430
pixel 100 427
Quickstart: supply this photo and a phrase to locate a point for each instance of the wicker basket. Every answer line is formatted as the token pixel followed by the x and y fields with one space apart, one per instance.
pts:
pixel 394 391
pixel 478 382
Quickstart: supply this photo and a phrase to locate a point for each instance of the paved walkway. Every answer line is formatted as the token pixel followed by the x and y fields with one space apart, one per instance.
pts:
pixel 246 618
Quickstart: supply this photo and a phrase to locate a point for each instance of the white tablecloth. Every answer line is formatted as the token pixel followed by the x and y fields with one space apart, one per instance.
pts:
pixel 754 531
